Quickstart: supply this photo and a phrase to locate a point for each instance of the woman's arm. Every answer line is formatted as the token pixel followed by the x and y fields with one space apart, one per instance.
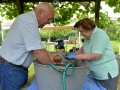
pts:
pixel 80 51
pixel 88 56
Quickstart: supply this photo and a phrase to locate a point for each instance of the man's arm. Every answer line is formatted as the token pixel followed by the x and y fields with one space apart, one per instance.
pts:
pixel 43 56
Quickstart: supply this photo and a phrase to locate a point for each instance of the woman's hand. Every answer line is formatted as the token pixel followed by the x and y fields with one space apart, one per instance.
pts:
pixel 71 56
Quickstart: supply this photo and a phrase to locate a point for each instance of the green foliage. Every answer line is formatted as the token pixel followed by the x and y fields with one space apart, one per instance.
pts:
pixel 112 3
pixel 9 11
pixel 29 6
pixel 119 19
pixel 56 34
pixel 67 12
pixel 4 32
pixel 0 37
pixel 104 20
pixel 44 35
pixel 64 12
pixel 116 5
pixel 0 21
pixel 113 32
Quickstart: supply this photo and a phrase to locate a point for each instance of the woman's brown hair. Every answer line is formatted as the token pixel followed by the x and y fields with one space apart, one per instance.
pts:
pixel 86 23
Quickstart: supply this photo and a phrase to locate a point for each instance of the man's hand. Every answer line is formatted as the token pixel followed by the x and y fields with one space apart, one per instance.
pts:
pixel 52 56
pixel 71 56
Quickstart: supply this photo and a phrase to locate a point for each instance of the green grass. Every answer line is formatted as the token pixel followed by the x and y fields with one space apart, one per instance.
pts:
pixel 115 46
pixel 31 71
pixel 51 48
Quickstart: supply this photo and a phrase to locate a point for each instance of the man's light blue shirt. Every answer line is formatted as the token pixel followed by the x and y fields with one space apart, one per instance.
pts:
pixel 22 37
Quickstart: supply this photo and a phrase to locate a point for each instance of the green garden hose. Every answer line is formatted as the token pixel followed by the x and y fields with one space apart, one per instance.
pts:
pixel 63 72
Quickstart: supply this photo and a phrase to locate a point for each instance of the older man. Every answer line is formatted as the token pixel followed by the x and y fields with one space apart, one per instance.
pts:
pixel 22 44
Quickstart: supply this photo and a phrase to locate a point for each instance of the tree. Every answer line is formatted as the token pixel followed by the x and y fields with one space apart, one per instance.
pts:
pixel 66 12
pixel 116 5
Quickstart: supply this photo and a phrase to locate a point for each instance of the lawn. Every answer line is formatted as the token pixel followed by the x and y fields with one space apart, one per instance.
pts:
pixel 68 47
pixel 115 45
pixel 51 47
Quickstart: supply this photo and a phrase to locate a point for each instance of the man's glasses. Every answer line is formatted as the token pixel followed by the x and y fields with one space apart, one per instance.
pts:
pixel 49 19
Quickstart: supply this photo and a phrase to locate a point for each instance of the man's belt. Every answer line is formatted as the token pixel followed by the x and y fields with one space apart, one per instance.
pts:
pixel 5 61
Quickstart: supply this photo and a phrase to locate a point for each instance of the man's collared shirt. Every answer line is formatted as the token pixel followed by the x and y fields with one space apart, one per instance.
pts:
pixel 22 37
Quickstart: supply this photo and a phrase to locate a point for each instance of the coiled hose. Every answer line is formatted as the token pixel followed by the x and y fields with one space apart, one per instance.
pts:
pixel 63 72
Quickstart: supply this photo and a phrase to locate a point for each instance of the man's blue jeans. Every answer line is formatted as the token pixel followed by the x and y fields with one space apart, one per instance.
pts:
pixel 12 77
